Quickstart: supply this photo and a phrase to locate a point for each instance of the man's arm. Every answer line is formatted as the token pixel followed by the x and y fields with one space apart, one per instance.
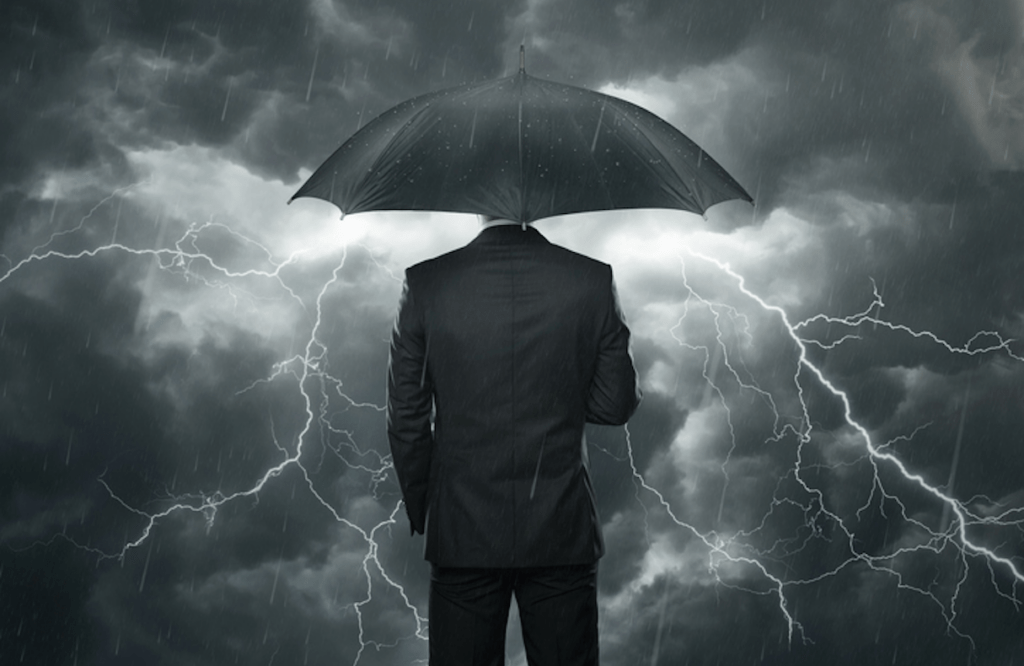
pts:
pixel 614 391
pixel 410 399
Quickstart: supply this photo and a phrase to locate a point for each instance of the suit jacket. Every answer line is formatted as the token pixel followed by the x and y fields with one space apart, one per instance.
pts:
pixel 500 353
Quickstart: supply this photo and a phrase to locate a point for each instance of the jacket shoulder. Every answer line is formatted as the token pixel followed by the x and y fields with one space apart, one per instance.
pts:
pixel 581 260
pixel 579 265
pixel 434 263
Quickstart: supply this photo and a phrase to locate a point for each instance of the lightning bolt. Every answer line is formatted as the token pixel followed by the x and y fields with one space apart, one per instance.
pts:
pixel 729 550
pixel 739 547
pixel 308 370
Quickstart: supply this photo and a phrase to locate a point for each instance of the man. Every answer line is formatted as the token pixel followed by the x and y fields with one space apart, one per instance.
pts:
pixel 502 350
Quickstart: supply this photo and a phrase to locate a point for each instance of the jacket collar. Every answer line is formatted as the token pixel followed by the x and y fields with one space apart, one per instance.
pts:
pixel 509 234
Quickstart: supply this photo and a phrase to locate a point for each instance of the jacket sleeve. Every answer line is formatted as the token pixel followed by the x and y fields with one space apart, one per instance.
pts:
pixel 409 406
pixel 614 390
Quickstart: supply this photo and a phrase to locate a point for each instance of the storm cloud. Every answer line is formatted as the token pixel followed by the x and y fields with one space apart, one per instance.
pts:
pixel 172 334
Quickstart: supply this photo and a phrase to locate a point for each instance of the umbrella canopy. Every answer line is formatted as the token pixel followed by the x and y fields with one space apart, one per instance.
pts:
pixel 519 148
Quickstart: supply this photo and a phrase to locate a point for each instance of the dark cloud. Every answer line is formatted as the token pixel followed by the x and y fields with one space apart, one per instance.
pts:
pixel 843 87
pixel 882 143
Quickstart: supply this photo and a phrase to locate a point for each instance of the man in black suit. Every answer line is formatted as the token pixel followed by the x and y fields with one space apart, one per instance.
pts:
pixel 502 350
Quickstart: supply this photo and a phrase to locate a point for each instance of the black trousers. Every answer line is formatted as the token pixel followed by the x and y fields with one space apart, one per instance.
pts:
pixel 557 607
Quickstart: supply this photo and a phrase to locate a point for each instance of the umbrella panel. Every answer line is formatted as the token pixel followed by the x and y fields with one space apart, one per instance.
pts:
pixel 520 148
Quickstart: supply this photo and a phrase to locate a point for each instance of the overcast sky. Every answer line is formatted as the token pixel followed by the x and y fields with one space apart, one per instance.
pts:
pixel 826 468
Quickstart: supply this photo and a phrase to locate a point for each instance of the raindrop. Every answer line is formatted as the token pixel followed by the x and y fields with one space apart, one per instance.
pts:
pixel 117 220
pixel 597 129
pixel 469 28
pixel 540 456
pixel 312 72
pixel 145 567
pixel 273 589
pixel 227 97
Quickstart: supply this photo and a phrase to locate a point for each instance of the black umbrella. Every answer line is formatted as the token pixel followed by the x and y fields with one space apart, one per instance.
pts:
pixel 519 148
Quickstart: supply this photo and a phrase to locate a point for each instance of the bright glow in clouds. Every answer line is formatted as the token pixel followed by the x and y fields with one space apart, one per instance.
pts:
pixel 700 99
pixel 198 185
pixel 235 258
pixel 747 482
pixel 192 370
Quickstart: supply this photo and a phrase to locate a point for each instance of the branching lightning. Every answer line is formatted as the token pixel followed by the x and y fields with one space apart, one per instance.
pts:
pixel 736 547
pixel 315 384
pixel 310 373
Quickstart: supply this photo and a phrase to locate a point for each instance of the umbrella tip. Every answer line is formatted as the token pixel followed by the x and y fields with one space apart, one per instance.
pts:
pixel 522 58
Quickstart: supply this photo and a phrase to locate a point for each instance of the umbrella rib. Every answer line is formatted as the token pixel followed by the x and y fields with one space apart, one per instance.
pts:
pixel 409 158
pixel 722 175
pixel 649 144
pixel 600 176
pixel 522 167
pixel 597 170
